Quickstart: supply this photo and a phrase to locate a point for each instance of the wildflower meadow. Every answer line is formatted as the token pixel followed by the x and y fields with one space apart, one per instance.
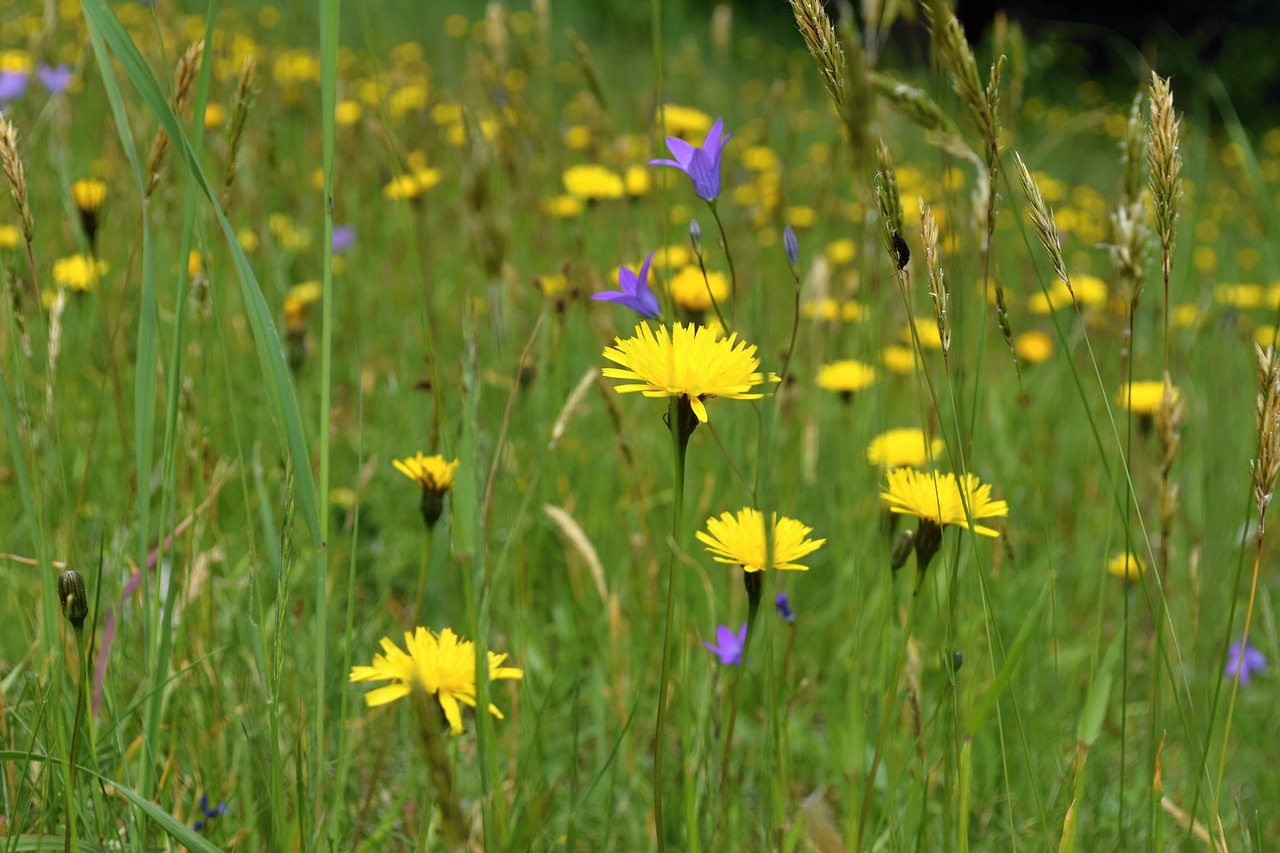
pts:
pixel 686 425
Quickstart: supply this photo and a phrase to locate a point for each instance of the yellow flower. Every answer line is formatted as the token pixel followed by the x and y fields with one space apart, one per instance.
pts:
pixel 841 251
pixel 593 182
pixel 553 286
pixel 78 272
pixel 1143 398
pixel 430 472
pixel 935 497
pixel 684 122
pixel 692 293
pixel 1033 347
pixel 215 115
pixel 930 337
pixel 307 292
pixel 1130 567
pixel 1090 292
pixel 638 181
pixel 689 361
pixel 295 315
pixel 443 667
pixel 899 359
pixel 347 113
pixel 672 256
pixel 846 376
pixel 577 137
pixel 740 541
pixel 88 194
pixel 402 188
pixel 905 447
pixel 561 206
pixel 801 216
pixel 10 236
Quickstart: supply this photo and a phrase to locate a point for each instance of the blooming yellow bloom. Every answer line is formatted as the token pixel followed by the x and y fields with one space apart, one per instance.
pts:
pixel 430 472
pixel 684 122
pixel 1090 292
pixel 78 272
pixel 1143 398
pixel 689 361
pixel 740 540
pixel 1033 346
pixel 638 181
pixel 443 667
pixel 1130 567
pixel 307 292
pixel 593 182
pixel 841 251
pixel 10 236
pixel 88 194
pixel 846 376
pixel 215 115
pixel 899 359
pixel 561 206
pixel 692 293
pixel 935 497
pixel 905 447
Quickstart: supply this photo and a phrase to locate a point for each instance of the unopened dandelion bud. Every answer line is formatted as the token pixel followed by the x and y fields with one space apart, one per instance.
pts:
pixel 87 196
pixel 927 541
pixel 792 247
pixel 75 602
pixel 901 551
pixel 957 660
pixel 431 506
pixel 695 236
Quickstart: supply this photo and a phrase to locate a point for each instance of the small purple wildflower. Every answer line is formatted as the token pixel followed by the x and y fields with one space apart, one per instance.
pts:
pixel 55 79
pixel 792 247
pixel 1245 664
pixel 635 293
pixel 209 813
pixel 344 237
pixel 728 647
pixel 784 608
pixel 702 164
pixel 12 85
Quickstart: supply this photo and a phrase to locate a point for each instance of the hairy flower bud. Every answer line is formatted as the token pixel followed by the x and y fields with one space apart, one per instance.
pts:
pixel 75 602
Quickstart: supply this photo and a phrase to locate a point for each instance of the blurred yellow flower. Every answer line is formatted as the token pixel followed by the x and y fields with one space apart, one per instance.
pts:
pixel 561 206
pixel 901 448
pixel 78 272
pixel 846 376
pixel 692 293
pixel 684 122
pixel 1033 347
pixel 593 182
pixel 1129 567
pixel 1144 398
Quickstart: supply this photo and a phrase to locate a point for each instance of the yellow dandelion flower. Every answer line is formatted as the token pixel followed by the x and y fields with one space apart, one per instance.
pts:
pixel 402 188
pixel 593 182
pixel 553 286
pixel 577 137
pixel 638 181
pixel 930 337
pixel 1130 567
pixel 1143 398
pixel 841 251
pixel 10 236
pixel 937 498
pixel 307 292
pixel 672 256
pixel 295 315
pixel 1186 315
pixel 1033 347
pixel 88 194
pixel 347 113
pixel 899 359
pixel 78 272
pixel 853 311
pixel 693 294
pixel 215 115
pixel 740 541
pixel 902 448
pixel 688 361
pixel 562 206
pixel 430 472
pixel 684 122
pixel 846 376
pixel 442 666
pixel 826 309
pixel 760 158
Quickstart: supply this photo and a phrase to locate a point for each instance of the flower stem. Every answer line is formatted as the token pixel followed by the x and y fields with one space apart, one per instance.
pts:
pixel 422 577
pixel 681 421
pixel 733 707
pixel 75 735
pixel 724 242
pixel 791 347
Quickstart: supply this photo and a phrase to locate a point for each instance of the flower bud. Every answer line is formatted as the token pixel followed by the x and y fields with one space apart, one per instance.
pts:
pixel 75 602
pixel 695 236
pixel 902 545
pixel 792 247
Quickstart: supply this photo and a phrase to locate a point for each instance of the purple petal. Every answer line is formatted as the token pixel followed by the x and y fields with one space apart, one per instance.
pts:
pixel 725 637
pixel 642 280
pixel 627 280
pixel 711 142
pixel 680 150
pixel 742 635
pixel 705 175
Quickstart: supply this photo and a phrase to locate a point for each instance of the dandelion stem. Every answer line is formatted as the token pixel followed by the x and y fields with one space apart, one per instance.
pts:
pixel 75 734
pixel 724 243
pixel 702 265
pixel 791 347
pixel 422 576
pixel 678 414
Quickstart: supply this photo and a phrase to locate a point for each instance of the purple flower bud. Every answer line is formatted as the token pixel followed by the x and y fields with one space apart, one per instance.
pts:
pixel 344 237
pixel 784 606
pixel 792 247
pixel 695 236
pixel 55 79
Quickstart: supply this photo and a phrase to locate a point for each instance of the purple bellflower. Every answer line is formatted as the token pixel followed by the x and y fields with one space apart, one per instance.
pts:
pixel 209 813
pixel 55 79
pixel 1244 662
pixel 728 647
pixel 635 293
pixel 12 85
pixel 702 165
pixel 344 237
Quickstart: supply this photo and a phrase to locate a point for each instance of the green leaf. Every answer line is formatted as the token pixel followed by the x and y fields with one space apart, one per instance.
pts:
pixel 1019 648
pixel 1095 703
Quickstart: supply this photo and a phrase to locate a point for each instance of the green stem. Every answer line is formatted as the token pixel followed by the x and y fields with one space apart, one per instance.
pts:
pixel 677 420
pixel 733 717
pixel 422 576
pixel 75 738
pixel 791 347
pixel 724 242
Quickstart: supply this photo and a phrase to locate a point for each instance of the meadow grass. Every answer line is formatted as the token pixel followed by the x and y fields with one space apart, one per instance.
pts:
pixel 204 391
